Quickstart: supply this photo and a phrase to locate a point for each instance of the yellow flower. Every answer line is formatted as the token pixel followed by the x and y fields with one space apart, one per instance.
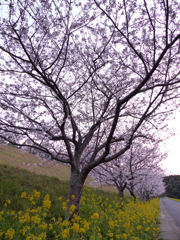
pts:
pixel 24 218
pixel 147 229
pixel 25 229
pixel 60 219
pixel 65 233
pixel 47 201
pixel 139 227
pixel 73 197
pixel 76 218
pixel 95 216
pixel 42 236
pixel 72 208
pixel 53 219
pixel 75 227
pixel 36 193
pixel 82 230
pixel 124 236
pixel 86 225
pixel 36 219
pixel 110 234
pixel 50 226
pixel 99 235
pixel 64 205
pixel 31 198
pixel 65 223
pixel 43 226
pixel 112 224
pixel 23 195
pixel 9 234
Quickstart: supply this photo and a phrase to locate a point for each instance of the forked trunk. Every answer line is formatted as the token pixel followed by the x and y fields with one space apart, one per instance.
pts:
pixel 74 196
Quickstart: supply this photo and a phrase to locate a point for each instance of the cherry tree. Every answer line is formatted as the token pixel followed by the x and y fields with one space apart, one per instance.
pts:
pixel 150 184
pixel 80 77
pixel 112 173
pixel 127 171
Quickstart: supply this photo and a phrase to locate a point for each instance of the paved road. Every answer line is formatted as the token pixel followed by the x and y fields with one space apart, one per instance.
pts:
pixel 173 208
pixel 170 219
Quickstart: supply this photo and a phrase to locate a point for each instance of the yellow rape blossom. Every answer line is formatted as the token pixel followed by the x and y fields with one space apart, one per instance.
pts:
pixel 36 194
pixel 72 208
pixel 36 219
pixel 24 218
pixel 65 223
pixel 65 233
pixel 139 227
pixel 59 198
pixel 43 226
pixel 82 230
pixel 25 229
pixel 64 205
pixel 73 197
pixel 75 227
pixel 46 202
pixel 124 236
pixel 23 195
pixel 50 226
pixel 95 216
pixel 9 235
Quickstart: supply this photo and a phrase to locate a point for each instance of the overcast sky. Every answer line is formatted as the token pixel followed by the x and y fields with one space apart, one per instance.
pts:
pixel 172 146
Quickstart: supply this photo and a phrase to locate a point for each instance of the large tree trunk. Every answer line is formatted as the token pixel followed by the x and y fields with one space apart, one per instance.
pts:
pixel 74 196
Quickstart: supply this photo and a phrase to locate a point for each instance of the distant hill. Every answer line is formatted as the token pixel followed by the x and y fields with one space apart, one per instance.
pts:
pixel 172 184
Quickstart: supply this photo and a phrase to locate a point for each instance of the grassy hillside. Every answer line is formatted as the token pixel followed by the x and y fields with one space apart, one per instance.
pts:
pixel 14 181
pixel 11 156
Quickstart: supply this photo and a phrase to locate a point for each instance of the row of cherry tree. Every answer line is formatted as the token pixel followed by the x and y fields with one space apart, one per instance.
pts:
pixel 82 81
pixel 138 171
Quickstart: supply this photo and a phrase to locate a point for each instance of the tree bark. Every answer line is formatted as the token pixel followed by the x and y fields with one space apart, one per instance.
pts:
pixel 121 193
pixel 75 189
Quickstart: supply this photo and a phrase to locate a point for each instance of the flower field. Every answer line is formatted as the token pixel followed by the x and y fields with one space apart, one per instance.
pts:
pixel 29 213
pixel 100 218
